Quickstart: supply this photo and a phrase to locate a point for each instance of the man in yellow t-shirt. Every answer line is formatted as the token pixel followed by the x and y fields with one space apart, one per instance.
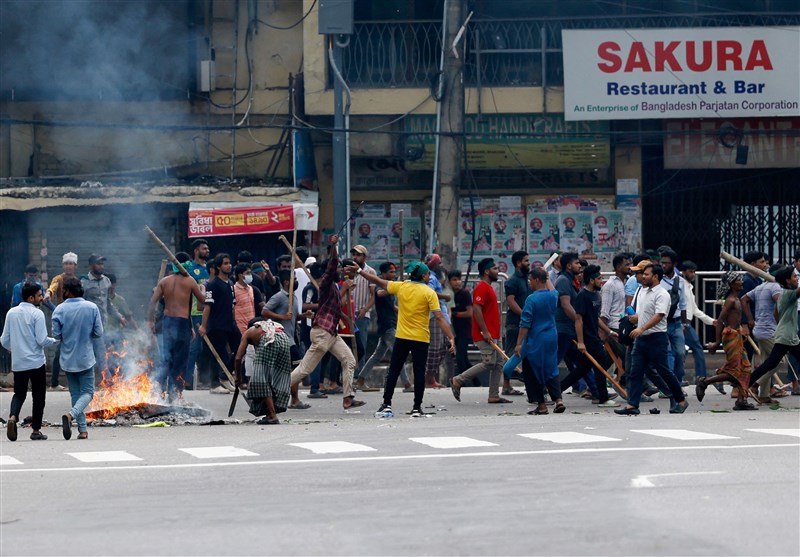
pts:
pixel 415 301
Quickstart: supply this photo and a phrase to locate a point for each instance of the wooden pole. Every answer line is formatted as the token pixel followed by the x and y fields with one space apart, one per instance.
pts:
pixel 299 263
pixel 291 276
pixel 614 358
pixel 166 250
pixel 163 270
pixel 602 370
pixel 746 266
pixel 402 270
pixel 219 360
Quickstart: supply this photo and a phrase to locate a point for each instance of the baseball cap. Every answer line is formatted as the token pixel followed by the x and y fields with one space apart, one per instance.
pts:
pixel 358 248
pixel 641 265
pixel 96 258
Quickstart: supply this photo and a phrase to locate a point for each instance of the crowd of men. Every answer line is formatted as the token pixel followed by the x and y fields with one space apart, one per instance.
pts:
pixel 307 322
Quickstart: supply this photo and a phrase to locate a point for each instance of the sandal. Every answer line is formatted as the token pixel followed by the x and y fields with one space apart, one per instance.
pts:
pixel 538 412
pixel 300 406
pixel 500 400
pixel 741 405
pixel 559 409
pixel 354 404
pixel 512 392
pixel 267 421
pixel 700 389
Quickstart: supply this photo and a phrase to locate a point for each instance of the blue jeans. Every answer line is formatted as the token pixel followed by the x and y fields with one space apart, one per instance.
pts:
pixel 177 335
pixel 81 391
pixel 194 351
pixel 362 332
pixel 651 350
pixel 677 355
pixel 693 342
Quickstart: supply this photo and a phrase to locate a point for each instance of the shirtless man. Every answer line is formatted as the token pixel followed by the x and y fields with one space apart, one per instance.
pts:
pixel 737 368
pixel 176 327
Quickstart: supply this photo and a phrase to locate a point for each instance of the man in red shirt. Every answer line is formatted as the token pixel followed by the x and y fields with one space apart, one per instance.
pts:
pixel 485 334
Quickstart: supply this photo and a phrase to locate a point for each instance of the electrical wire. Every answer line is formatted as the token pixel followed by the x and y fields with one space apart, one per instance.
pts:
pixel 293 25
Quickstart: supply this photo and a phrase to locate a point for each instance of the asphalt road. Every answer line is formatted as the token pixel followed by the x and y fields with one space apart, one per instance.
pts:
pixel 474 479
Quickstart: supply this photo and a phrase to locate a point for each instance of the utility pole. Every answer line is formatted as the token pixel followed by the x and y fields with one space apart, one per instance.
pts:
pixel 451 140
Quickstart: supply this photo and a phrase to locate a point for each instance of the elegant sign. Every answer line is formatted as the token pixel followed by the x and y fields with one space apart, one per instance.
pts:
pixel 720 72
pixel 537 141
pixel 771 143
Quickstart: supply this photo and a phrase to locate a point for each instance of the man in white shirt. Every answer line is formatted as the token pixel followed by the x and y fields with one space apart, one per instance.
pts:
pixel 612 297
pixel 25 336
pixel 676 316
pixel 651 343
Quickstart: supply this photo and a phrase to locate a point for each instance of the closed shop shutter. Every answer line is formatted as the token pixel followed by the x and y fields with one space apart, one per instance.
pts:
pixel 114 231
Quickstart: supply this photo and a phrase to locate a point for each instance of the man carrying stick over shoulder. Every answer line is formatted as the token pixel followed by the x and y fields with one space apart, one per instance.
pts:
pixel 737 368
pixel 324 334
pixel 176 327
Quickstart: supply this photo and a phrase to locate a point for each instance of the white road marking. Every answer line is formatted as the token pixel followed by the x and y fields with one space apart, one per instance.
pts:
pixel 566 437
pixel 683 434
pixel 333 460
pixel 789 432
pixel 451 442
pixel 217 452
pixel 333 447
pixel 644 480
pixel 104 456
pixel 6 460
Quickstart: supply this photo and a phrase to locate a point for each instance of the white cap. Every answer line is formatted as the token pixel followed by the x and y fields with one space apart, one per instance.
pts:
pixel 310 260
pixel 69 258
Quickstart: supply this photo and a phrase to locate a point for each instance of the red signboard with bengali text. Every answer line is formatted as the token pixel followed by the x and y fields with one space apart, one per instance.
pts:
pixel 241 220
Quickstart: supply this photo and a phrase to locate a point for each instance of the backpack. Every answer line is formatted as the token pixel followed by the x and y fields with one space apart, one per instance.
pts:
pixel 674 297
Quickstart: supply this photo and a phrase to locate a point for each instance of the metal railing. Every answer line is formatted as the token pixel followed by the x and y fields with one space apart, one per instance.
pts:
pixel 500 52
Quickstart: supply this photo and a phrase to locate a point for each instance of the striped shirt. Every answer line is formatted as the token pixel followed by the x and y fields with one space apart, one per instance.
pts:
pixel 363 289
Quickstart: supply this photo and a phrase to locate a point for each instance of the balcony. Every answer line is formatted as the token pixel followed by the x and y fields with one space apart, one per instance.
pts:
pixel 500 53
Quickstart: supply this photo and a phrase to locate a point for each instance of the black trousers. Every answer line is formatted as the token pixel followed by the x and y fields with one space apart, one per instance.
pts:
pixel 419 355
pixel 584 366
pixel 534 389
pixel 38 380
pixel 775 357
pixel 226 343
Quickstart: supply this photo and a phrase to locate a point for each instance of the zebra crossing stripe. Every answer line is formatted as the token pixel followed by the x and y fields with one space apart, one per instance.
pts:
pixel 6 460
pixel 333 447
pixel 789 432
pixel 104 456
pixel 217 452
pixel 451 442
pixel 682 434
pixel 567 437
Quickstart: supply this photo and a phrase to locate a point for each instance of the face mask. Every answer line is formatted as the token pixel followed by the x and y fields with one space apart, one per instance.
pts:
pixel 248 279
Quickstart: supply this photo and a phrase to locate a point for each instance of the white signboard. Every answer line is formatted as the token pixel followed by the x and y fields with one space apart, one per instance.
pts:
pixel 627 74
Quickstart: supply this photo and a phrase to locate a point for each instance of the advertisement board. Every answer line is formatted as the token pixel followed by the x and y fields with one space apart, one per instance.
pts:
pixel 720 72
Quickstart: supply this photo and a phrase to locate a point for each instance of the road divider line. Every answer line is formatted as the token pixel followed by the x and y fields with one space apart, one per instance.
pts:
pixel 351 459
pixel 644 480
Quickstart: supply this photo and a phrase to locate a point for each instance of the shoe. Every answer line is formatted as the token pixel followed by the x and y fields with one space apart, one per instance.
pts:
pixel 219 390
pixel 57 388
pixel 609 404
pixel 700 389
pixel 384 411
pixel 417 413
pixel 627 411
pixel 511 392
pixel 720 387
pixel 456 389
pixel 11 429
pixel 408 389
pixel 650 391
pixel 38 436
pixel 645 398
pixel 679 408
pixel 66 426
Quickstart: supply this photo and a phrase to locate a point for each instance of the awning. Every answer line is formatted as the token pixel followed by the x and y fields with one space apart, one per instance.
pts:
pixel 228 219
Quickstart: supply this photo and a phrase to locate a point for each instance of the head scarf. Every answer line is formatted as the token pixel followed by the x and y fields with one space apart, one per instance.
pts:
pixel 724 285
pixel 416 270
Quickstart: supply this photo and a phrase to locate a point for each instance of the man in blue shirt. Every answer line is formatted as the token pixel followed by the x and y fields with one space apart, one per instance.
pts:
pixel 25 336
pixel 77 323
pixel 31 275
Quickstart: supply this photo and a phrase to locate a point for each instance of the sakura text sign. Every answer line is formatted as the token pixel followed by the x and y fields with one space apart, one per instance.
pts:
pixel 721 72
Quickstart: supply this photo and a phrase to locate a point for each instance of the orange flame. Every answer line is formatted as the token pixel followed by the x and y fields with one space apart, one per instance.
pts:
pixel 117 394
